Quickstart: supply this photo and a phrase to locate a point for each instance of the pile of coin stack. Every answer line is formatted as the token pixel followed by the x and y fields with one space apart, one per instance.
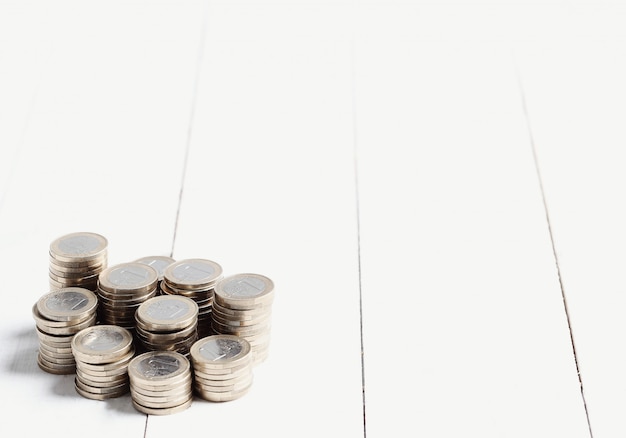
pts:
pixel 121 290
pixel 76 260
pixel 159 263
pixel 195 279
pixel 160 382
pixel 222 367
pixel 243 307
pixel 102 354
pixel 59 315
pixel 167 323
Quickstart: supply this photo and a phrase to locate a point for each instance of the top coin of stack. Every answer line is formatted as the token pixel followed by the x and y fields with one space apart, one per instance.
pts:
pixel 59 315
pixel 195 279
pixel 76 260
pixel 121 290
pixel 243 307
pixel 159 263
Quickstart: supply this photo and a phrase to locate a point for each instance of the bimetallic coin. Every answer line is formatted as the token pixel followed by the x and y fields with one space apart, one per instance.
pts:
pixel 167 313
pixel 68 304
pixel 220 351
pixel 160 263
pixel 162 411
pixel 244 291
pixel 221 396
pixel 101 343
pixel 78 247
pixel 157 368
pixel 192 273
pixel 128 277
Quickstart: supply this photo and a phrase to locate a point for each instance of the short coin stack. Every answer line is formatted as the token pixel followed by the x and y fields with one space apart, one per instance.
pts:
pixel 121 290
pixel 222 367
pixel 102 354
pixel 160 382
pixel 76 259
pixel 159 263
pixel 195 279
pixel 243 307
pixel 59 315
pixel 167 323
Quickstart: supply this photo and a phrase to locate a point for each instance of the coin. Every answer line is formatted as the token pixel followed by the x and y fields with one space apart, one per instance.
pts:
pixel 220 351
pixel 160 263
pixel 68 304
pixel 78 247
pixel 221 396
pixel 101 344
pixel 128 277
pixel 162 411
pixel 167 313
pixel 192 273
pixel 158 368
pixel 244 291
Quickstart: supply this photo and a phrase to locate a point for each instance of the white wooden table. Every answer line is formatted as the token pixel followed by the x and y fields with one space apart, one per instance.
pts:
pixel 437 192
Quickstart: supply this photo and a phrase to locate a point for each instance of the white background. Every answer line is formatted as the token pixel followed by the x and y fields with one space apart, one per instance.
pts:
pixel 436 189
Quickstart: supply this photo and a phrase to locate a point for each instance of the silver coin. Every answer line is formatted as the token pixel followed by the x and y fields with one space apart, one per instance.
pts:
pixel 160 263
pixel 245 290
pixel 162 411
pixel 167 313
pixel 220 351
pixel 192 273
pixel 158 368
pixel 67 304
pixel 128 277
pixel 101 343
pixel 78 247
pixel 53 368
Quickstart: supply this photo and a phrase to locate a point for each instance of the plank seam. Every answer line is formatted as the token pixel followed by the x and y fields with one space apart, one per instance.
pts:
pixel 552 242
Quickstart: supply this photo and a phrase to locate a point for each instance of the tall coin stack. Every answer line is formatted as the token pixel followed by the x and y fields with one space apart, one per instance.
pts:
pixel 76 260
pixel 102 354
pixel 121 290
pixel 160 382
pixel 222 367
pixel 195 279
pixel 159 263
pixel 243 307
pixel 167 323
pixel 59 315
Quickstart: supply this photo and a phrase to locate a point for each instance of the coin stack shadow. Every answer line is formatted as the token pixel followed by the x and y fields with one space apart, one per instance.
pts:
pixel 195 279
pixel 121 290
pixel 243 307
pixel 223 367
pixel 102 354
pixel 76 260
pixel 167 323
pixel 59 315
pixel 160 382
pixel 159 263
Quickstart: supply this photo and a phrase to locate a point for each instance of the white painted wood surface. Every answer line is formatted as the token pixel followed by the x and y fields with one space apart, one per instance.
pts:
pixel 375 160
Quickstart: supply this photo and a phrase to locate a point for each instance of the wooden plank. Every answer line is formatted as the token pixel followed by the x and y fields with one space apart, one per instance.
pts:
pixel 464 328
pixel 575 93
pixel 270 189
pixel 103 151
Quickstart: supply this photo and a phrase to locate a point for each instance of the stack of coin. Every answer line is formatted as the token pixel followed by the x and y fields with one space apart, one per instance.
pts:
pixel 59 315
pixel 76 260
pixel 243 307
pixel 102 354
pixel 222 367
pixel 160 382
pixel 167 323
pixel 195 279
pixel 159 263
pixel 121 290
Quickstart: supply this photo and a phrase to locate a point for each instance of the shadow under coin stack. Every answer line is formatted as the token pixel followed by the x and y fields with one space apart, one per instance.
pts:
pixel 160 382
pixel 76 260
pixel 121 290
pixel 222 367
pixel 59 315
pixel 167 323
pixel 243 307
pixel 195 279
pixel 102 354
pixel 159 263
